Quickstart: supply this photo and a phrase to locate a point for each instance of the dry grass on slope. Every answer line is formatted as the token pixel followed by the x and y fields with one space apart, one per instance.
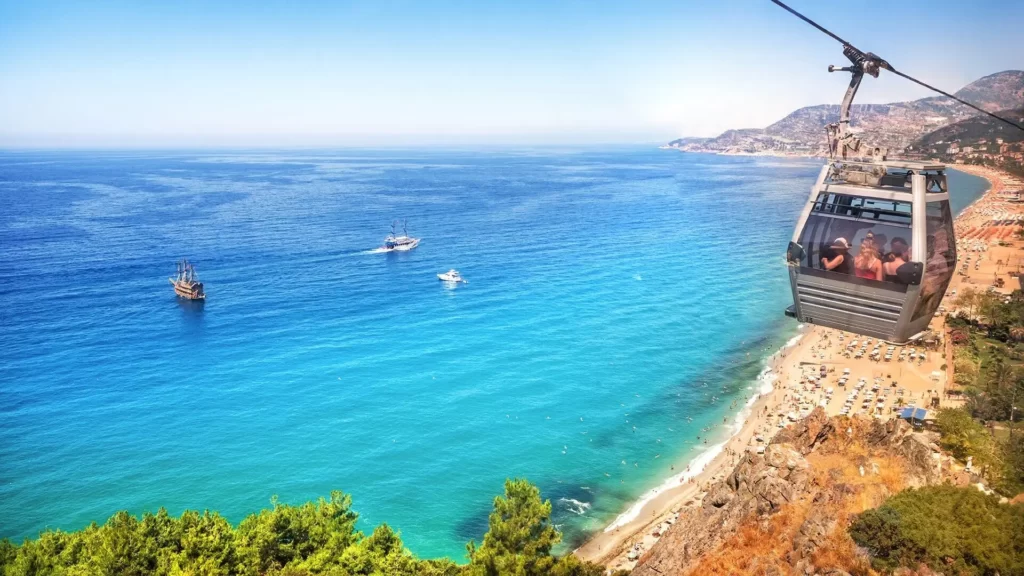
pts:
pixel 813 529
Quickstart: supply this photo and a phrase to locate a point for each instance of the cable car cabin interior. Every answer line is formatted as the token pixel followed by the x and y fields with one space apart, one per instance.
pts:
pixel 874 249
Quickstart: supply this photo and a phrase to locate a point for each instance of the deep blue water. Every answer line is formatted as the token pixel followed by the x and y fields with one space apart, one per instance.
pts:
pixel 609 289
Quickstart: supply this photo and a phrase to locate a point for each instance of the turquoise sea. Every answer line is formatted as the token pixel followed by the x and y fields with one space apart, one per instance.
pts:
pixel 620 299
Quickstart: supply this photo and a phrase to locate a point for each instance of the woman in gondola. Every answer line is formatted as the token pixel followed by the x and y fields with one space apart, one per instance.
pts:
pixel 867 264
pixel 898 255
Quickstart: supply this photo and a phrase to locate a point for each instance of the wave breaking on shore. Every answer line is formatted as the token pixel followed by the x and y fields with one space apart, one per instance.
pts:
pixel 765 383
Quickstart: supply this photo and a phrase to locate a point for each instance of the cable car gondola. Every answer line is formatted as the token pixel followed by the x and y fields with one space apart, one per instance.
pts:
pixel 874 249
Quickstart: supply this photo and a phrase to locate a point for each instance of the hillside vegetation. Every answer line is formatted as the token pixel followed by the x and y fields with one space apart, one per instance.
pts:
pixel 787 512
pixel 971 130
pixel 988 337
pixel 954 530
pixel 310 539
pixel 847 496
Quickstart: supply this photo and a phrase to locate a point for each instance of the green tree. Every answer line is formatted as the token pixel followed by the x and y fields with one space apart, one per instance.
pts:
pixel 205 545
pixel 123 547
pixel 519 538
pixel 570 565
pixel 1013 460
pixel 8 552
pixel 991 308
pixel 314 535
pixel 963 436
pixel 880 531
pixel 967 300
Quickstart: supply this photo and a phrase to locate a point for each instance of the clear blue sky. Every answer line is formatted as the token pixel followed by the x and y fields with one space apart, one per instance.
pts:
pixel 185 72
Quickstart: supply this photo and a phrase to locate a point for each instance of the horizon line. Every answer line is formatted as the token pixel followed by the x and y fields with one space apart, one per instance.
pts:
pixel 279 144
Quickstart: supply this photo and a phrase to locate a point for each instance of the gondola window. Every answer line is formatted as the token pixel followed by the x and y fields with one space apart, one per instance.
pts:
pixel 940 259
pixel 850 226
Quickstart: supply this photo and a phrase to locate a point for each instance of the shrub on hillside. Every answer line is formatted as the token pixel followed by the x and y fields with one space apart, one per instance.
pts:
pixel 964 436
pixel 952 530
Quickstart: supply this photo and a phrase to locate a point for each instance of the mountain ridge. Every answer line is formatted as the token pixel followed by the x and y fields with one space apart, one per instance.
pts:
pixel 895 125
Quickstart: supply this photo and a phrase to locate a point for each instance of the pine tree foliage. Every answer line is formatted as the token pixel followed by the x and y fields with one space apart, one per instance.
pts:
pixel 312 539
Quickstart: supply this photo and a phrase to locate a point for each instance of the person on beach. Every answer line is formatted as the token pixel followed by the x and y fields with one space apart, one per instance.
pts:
pixel 837 257
pixel 867 264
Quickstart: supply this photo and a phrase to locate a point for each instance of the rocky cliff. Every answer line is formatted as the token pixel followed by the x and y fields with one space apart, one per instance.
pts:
pixel 786 512
pixel 893 125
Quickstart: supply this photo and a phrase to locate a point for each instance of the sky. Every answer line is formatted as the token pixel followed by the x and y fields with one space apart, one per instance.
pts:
pixel 202 73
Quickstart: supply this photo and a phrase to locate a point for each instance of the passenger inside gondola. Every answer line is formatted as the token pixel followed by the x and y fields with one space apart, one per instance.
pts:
pixel 867 263
pixel 851 235
pixel 898 255
pixel 836 258
pixel 880 241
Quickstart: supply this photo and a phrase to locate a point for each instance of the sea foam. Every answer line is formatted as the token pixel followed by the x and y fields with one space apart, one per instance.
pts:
pixel 766 380
pixel 696 466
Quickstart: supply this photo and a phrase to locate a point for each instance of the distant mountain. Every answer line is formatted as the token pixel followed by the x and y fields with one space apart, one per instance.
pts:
pixel 1002 91
pixel 977 140
pixel 893 125
pixel 971 130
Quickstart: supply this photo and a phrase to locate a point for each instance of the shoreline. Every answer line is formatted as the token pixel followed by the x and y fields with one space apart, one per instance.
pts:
pixel 658 505
pixel 633 532
pixel 765 153
pixel 699 462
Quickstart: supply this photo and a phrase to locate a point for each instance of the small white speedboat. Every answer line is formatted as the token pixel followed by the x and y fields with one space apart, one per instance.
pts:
pixel 452 276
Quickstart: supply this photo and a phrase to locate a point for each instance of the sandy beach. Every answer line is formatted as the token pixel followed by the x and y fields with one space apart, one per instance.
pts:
pixel 842 372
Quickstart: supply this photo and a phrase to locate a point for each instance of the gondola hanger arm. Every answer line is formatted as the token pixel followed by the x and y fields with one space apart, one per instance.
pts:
pixel 870 63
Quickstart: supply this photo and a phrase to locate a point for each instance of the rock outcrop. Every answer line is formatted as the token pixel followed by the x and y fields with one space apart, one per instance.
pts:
pixel 758 486
pixel 809 474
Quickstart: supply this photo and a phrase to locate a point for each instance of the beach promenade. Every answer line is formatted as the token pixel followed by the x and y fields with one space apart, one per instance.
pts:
pixel 841 372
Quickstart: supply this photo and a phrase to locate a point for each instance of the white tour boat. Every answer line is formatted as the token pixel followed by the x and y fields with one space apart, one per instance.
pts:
pixel 452 276
pixel 399 243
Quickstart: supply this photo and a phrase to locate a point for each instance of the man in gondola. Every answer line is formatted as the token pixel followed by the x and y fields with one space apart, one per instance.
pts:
pixel 836 258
